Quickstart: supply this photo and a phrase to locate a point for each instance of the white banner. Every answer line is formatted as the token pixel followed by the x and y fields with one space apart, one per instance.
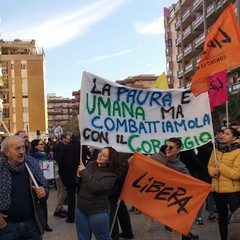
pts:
pixel 130 119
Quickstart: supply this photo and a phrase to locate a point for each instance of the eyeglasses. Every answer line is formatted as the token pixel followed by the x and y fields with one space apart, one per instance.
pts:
pixel 169 147
pixel 103 154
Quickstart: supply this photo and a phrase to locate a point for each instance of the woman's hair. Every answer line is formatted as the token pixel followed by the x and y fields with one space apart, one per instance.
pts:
pixel 234 132
pixel 34 143
pixel 114 161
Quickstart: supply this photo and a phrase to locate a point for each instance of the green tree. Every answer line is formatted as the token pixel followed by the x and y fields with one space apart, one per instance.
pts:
pixel 219 112
pixel 71 127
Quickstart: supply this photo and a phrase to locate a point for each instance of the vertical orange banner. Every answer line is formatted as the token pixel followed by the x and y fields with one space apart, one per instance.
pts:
pixel 166 195
pixel 221 44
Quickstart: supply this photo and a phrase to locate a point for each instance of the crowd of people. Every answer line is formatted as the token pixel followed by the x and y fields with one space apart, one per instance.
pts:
pixel 90 181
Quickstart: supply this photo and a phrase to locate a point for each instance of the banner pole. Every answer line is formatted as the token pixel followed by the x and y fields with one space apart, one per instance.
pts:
pixel 227 116
pixel 115 216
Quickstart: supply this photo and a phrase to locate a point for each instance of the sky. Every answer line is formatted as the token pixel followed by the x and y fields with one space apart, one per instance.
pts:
pixel 113 39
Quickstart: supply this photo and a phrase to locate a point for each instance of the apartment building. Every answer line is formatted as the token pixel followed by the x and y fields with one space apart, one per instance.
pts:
pixel 23 86
pixel 186 25
pixel 62 110
pixel 140 81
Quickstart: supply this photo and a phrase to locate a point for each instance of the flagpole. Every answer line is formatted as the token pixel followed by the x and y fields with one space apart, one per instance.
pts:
pixel 115 216
pixel 227 116
pixel 80 161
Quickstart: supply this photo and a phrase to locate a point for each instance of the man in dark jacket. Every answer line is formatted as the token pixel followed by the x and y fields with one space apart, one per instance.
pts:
pixel 68 164
pixel 18 199
pixel 62 193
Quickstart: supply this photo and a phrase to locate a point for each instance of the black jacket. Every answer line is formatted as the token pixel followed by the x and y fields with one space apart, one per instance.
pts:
pixel 96 185
pixel 68 162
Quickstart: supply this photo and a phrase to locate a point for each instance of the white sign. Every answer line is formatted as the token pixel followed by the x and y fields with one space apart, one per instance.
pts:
pixel 48 169
pixel 130 119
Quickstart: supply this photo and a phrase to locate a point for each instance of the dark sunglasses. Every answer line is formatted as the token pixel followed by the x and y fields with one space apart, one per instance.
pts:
pixel 169 147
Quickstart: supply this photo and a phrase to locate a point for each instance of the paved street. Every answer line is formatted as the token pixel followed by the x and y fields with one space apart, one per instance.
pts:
pixel 66 231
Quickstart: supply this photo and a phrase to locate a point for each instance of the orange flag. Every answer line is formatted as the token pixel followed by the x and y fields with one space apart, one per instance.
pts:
pixel 166 195
pixel 220 50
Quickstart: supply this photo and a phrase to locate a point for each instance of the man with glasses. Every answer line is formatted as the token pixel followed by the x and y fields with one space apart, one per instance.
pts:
pixel 168 155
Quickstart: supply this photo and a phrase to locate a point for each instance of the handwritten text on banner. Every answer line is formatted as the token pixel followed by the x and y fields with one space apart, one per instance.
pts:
pixel 132 119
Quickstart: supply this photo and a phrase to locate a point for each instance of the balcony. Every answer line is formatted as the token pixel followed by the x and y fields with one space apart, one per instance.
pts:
pixel 180 73
pixel 188 17
pixel 198 23
pixel 178 24
pixel 189 35
pixel 179 57
pixel 199 42
pixel 177 6
pixel 189 69
pixel 212 14
pixel 190 52
pixel 171 15
pixel 178 41
pixel 211 9
pixel 197 4
pixel 186 3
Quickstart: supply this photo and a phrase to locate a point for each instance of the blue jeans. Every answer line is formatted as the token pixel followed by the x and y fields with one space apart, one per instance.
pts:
pixel 86 224
pixel 21 231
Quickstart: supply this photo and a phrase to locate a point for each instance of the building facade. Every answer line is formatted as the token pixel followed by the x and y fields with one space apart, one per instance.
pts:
pixel 23 86
pixel 140 81
pixel 186 25
pixel 62 110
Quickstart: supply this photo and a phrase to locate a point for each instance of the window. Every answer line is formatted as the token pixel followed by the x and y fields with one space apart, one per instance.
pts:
pixel 23 66
pixel 24 81
pixel 25 110
pixel 169 42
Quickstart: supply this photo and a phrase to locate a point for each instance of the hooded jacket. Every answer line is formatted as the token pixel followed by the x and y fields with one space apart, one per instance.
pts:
pixel 173 163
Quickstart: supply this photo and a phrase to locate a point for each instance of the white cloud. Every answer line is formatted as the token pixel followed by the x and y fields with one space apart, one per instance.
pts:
pixel 151 28
pixel 149 65
pixel 104 57
pixel 54 32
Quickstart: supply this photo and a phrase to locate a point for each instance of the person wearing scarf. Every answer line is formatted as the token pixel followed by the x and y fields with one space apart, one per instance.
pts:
pixel 225 173
pixel 18 195
pixel 37 151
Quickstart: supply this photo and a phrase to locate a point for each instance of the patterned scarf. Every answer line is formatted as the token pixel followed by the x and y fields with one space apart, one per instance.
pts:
pixel 227 147
pixel 6 168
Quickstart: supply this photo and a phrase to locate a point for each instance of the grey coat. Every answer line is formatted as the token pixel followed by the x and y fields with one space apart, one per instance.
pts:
pixel 173 163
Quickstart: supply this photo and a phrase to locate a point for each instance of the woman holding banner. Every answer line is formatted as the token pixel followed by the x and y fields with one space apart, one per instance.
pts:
pixel 97 180
pixel 224 168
